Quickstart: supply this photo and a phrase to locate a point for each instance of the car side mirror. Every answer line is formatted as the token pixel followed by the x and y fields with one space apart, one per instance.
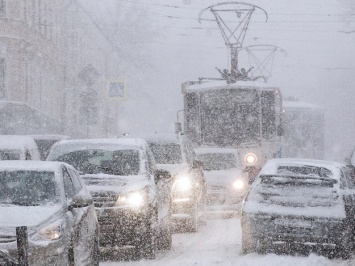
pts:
pixel 79 201
pixel 197 164
pixel 161 175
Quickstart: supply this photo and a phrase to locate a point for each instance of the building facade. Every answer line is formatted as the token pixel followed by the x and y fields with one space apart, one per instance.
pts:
pixel 51 56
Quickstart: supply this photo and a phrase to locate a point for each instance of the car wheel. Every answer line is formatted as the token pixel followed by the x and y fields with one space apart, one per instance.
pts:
pixel 203 207
pixel 248 243
pixel 165 239
pixel 192 223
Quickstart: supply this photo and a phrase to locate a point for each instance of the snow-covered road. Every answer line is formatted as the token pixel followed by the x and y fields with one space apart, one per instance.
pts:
pixel 219 243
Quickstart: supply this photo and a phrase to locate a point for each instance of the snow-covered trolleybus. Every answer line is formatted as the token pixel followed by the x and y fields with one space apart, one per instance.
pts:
pixel 244 115
pixel 303 125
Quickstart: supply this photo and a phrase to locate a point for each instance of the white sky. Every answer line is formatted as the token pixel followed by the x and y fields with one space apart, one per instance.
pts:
pixel 319 67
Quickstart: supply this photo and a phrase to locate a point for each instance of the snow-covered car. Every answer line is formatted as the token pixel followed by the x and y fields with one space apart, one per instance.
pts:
pixel 50 199
pixel 18 147
pixel 131 197
pixel 45 143
pixel 300 203
pixel 175 154
pixel 227 183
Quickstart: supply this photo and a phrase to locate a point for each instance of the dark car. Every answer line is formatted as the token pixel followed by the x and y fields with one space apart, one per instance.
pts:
pixel 50 199
pixel 131 197
pixel 175 154
pixel 300 204
pixel 45 143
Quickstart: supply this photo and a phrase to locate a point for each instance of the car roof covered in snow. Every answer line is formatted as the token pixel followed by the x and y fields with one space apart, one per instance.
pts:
pixel 214 150
pixel 16 142
pixel 50 137
pixel 31 165
pixel 159 138
pixel 225 85
pixel 66 146
pixel 271 167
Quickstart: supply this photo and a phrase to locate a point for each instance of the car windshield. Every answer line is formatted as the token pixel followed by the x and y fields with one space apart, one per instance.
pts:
pixel 94 161
pixel 10 154
pixel 218 161
pixel 295 191
pixel 166 153
pixel 28 188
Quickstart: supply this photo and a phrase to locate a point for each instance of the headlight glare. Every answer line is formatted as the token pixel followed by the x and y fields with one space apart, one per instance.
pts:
pixel 239 184
pixel 134 199
pixel 182 184
pixel 250 158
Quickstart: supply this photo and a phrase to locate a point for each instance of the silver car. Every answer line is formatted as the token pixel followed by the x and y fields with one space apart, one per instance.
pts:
pixel 131 197
pixel 51 201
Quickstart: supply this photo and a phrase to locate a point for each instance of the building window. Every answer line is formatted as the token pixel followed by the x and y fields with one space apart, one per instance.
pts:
pixel 2 8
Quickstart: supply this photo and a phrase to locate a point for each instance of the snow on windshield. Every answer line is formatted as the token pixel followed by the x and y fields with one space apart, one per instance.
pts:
pixel 166 153
pixel 93 161
pixel 28 188
pixel 218 161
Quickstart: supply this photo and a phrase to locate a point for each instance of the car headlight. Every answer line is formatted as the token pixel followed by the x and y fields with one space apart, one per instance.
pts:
pixel 182 184
pixel 51 232
pixel 239 184
pixel 133 199
pixel 250 158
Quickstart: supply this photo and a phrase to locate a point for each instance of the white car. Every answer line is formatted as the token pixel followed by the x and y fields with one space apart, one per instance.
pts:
pixel 51 201
pixel 227 183
pixel 300 205
pixel 18 147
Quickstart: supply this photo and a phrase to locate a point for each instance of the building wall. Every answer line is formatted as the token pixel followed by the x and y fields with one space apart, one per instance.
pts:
pixel 44 44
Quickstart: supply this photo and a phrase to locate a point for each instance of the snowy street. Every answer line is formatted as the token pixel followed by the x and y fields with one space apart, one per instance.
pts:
pixel 219 243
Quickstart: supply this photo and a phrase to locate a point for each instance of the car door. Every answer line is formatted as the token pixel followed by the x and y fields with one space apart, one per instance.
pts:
pixel 84 222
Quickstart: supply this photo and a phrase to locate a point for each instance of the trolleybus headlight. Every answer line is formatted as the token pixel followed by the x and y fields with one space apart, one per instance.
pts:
pixel 250 158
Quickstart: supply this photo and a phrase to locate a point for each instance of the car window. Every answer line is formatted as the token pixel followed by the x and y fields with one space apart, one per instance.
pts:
pixel 166 153
pixel 101 160
pixel 218 161
pixel 28 188
pixel 70 189
pixel 76 181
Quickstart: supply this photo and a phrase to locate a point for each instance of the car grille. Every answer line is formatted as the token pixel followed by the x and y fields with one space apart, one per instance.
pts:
pixel 7 238
pixel 104 199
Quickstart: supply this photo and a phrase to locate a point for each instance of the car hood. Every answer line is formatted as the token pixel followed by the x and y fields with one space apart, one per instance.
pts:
pixel 30 216
pixel 174 169
pixel 117 184
pixel 222 177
